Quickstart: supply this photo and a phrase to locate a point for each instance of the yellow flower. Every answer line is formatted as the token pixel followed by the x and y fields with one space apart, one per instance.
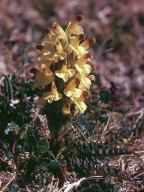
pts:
pixel 51 96
pixel 81 65
pixel 59 31
pixel 79 102
pixel 74 28
pixel 65 73
pixel 51 52
pixel 80 49
pixel 75 41
pixel 71 90
pixel 85 45
pixel 47 55
pixel 41 79
pixel 85 81
pixel 60 53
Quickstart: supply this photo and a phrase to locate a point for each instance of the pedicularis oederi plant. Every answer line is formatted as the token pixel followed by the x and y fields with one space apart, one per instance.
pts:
pixel 64 76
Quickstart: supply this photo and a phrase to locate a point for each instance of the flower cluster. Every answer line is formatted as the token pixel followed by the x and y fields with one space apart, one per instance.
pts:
pixel 64 67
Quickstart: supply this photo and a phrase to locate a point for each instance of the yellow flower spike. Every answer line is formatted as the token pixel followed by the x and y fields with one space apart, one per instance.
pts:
pixel 81 65
pixel 65 73
pixel 79 102
pixel 41 80
pixel 59 31
pixel 67 51
pixel 74 28
pixel 53 95
pixel 71 90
